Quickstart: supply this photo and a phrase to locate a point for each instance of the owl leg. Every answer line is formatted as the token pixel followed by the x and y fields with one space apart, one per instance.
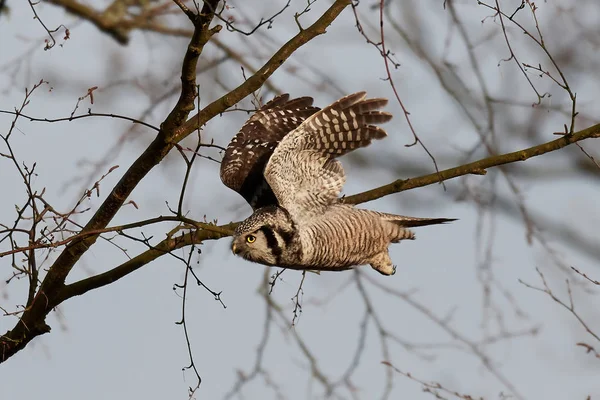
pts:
pixel 382 263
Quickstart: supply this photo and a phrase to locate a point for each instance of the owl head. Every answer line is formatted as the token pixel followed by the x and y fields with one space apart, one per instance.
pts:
pixel 264 236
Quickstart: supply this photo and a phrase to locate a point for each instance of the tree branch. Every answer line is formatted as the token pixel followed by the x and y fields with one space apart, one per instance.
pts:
pixel 477 167
pixel 32 322
pixel 259 78
pixel 164 247
pixel 103 22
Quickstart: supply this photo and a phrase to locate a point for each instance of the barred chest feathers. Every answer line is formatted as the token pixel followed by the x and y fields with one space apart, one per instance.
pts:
pixel 345 236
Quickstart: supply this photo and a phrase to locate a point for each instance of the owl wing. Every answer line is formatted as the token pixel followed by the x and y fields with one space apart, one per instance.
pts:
pixel 303 172
pixel 248 152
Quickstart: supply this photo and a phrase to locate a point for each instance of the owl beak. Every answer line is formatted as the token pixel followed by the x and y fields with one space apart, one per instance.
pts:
pixel 234 248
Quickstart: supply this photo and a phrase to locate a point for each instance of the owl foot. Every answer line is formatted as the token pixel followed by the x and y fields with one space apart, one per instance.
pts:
pixel 383 264
pixel 384 269
pixel 387 270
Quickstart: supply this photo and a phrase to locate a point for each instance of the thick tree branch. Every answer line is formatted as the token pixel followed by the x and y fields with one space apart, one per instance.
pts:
pixel 200 37
pixel 164 247
pixel 32 322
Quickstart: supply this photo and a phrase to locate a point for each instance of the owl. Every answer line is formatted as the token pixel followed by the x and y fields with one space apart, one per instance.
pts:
pixel 284 163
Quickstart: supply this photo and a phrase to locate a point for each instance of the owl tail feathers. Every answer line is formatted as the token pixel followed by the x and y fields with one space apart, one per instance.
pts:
pixel 400 224
pixel 411 222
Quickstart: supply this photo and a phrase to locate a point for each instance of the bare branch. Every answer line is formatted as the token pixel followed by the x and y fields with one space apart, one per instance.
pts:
pixel 571 306
pixel 475 167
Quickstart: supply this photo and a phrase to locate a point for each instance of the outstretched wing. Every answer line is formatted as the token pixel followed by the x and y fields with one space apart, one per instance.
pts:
pixel 247 154
pixel 303 172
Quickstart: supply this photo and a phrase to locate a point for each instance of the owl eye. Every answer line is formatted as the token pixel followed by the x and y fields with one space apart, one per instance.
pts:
pixel 250 238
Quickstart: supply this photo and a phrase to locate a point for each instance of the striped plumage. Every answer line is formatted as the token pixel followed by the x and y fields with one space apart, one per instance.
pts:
pixel 361 237
pixel 308 228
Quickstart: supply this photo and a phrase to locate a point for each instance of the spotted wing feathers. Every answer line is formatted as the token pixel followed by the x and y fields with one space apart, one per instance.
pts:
pixel 303 172
pixel 346 124
pixel 248 152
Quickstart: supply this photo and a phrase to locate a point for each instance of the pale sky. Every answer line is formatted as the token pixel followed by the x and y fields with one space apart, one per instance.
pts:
pixel 121 341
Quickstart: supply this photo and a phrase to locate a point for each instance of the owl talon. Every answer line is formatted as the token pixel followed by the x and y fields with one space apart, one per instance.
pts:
pixel 393 270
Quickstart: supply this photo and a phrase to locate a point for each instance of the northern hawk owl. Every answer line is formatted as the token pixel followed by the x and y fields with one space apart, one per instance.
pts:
pixel 283 162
